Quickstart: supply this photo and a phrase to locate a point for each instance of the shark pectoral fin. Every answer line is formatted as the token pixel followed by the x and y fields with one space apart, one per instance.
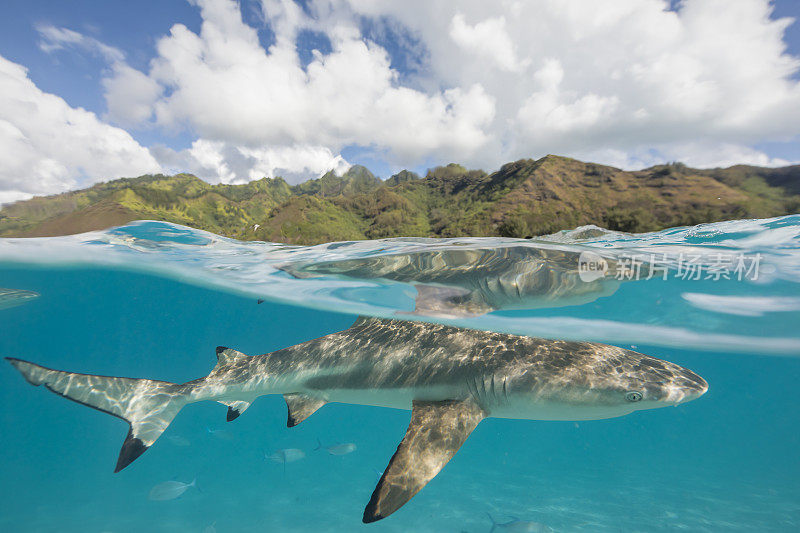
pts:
pixel 436 432
pixel 435 300
pixel 235 409
pixel 301 406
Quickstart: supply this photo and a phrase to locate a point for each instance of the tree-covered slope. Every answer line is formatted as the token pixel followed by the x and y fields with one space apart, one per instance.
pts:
pixel 523 199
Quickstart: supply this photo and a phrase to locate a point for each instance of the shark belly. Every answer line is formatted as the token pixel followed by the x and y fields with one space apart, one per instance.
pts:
pixel 511 407
pixel 395 398
pixel 520 409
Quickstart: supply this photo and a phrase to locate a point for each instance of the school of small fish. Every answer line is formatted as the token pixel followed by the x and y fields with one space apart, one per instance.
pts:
pixel 171 490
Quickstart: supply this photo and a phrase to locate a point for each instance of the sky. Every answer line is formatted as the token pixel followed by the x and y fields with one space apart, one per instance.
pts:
pixel 92 90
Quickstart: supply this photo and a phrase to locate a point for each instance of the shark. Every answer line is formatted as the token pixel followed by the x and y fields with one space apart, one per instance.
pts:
pixel 450 378
pixel 15 297
pixel 464 282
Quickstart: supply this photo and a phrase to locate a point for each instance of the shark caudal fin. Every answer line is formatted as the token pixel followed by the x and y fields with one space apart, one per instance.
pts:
pixel 148 406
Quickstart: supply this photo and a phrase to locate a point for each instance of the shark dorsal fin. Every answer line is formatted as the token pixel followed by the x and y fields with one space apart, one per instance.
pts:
pixel 436 432
pixel 227 356
pixel 301 406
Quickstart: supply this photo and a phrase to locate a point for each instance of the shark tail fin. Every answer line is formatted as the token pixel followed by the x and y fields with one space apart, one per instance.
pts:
pixel 148 406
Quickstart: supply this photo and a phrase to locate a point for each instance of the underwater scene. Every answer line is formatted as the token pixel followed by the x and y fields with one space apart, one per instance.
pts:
pixel 589 381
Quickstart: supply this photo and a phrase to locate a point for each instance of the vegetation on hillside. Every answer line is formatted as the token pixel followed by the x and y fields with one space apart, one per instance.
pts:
pixel 523 199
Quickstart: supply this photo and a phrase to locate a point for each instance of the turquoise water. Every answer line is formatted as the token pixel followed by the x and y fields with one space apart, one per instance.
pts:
pixel 154 300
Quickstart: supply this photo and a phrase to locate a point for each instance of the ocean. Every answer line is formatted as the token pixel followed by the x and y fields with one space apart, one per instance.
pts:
pixel 153 300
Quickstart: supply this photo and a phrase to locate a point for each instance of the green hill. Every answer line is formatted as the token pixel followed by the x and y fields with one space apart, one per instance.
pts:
pixel 523 199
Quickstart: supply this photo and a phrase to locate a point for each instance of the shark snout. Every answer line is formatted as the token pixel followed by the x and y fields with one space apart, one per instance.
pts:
pixel 695 386
pixel 684 387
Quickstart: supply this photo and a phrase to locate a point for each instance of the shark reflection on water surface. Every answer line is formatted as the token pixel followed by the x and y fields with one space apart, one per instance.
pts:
pixel 451 379
pixel 462 282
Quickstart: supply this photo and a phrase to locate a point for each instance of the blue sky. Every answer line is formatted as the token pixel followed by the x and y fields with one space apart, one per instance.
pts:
pixel 247 89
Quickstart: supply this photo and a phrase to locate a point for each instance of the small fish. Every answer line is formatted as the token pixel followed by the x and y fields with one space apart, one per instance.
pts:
pixel 520 526
pixel 221 434
pixel 337 449
pixel 177 440
pixel 15 297
pixel 210 528
pixel 286 455
pixel 169 490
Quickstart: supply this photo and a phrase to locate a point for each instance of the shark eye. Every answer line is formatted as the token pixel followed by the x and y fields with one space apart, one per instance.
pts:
pixel 633 396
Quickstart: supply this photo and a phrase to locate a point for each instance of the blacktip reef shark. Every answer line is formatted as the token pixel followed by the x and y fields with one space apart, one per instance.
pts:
pixel 15 297
pixel 451 379
pixel 463 282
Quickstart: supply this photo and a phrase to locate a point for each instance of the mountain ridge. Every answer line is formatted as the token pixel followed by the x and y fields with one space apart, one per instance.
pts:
pixel 524 198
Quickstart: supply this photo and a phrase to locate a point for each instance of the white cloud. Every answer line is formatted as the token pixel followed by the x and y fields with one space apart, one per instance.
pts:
pixel 550 112
pixel 699 154
pixel 486 39
pixel 628 76
pixel 54 39
pixel 220 162
pixel 9 197
pixel 46 146
pixel 130 95
pixel 223 85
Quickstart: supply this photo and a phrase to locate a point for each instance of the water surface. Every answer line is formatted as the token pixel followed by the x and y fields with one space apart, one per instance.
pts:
pixel 153 300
